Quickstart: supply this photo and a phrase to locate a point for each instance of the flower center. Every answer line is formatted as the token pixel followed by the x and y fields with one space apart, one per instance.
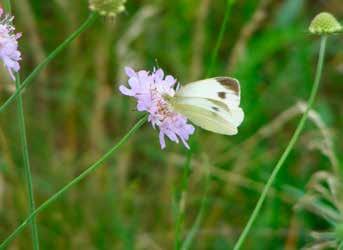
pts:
pixel 163 107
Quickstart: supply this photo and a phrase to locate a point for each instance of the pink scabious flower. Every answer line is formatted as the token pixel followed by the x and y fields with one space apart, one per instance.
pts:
pixel 9 52
pixel 152 91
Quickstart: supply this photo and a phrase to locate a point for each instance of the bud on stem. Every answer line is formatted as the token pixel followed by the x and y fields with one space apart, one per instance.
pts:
pixel 107 7
pixel 325 24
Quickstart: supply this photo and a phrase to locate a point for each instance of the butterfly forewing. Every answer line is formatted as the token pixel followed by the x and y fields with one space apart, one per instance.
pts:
pixel 221 89
pixel 212 104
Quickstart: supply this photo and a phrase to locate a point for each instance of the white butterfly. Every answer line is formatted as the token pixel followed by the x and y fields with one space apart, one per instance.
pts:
pixel 212 104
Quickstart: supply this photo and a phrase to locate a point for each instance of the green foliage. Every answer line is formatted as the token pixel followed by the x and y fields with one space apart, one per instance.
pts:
pixel 74 113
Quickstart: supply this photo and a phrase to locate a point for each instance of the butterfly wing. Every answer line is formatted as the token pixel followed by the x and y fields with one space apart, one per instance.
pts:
pixel 212 104
pixel 221 89
pixel 210 115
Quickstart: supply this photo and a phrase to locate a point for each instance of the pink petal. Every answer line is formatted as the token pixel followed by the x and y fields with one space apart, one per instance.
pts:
pixel 134 83
pixel 130 72
pixel 159 74
pixel 185 143
pixel 125 91
pixel 170 80
pixel 162 141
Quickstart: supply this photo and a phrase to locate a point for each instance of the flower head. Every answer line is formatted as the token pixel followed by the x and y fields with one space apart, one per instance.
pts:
pixel 9 52
pixel 152 91
pixel 107 7
pixel 325 23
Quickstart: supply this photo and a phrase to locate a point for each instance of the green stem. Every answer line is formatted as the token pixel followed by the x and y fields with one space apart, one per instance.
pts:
pixel 289 147
pixel 75 181
pixel 181 199
pixel 203 207
pixel 187 167
pixel 27 168
pixel 220 37
pixel 25 153
pixel 92 17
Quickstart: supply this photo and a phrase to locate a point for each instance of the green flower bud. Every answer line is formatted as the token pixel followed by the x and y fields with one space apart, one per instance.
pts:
pixel 107 7
pixel 325 23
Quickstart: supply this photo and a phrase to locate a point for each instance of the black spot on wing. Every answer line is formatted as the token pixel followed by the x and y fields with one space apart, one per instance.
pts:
pixel 229 83
pixel 222 95
pixel 215 108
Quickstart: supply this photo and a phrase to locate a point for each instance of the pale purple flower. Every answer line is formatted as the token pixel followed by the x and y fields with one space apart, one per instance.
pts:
pixel 9 52
pixel 152 91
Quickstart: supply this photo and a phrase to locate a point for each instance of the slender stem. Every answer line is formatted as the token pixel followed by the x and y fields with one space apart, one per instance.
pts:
pixel 91 18
pixel 181 199
pixel 25 153
pixel 220 37
pixel 289 147
pixel 187 166
pixel 203 206
pixel 75 181
pixel 27 168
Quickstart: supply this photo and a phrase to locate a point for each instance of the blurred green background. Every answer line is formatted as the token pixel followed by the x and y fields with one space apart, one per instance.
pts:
pixel 74 113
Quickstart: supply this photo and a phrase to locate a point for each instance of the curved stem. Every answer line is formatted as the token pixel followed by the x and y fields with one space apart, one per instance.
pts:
pixel 27 168
pixel 75 181
pixel 289 146
pixel 92 17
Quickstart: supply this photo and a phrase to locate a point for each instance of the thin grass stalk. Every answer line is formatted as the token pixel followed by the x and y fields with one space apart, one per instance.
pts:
pixel 187 165
pixel 202 211
pixel 289 147
pixel 73 182
pixel 180 198
pixel 27 168
pixel 214 55
pixel 91 18
pixel 25 153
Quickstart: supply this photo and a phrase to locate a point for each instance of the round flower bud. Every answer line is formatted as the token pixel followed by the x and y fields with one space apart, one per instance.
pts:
pixel 107 7
pixel 325 23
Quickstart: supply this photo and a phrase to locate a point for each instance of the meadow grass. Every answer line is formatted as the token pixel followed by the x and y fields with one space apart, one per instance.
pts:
pixel 74 112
